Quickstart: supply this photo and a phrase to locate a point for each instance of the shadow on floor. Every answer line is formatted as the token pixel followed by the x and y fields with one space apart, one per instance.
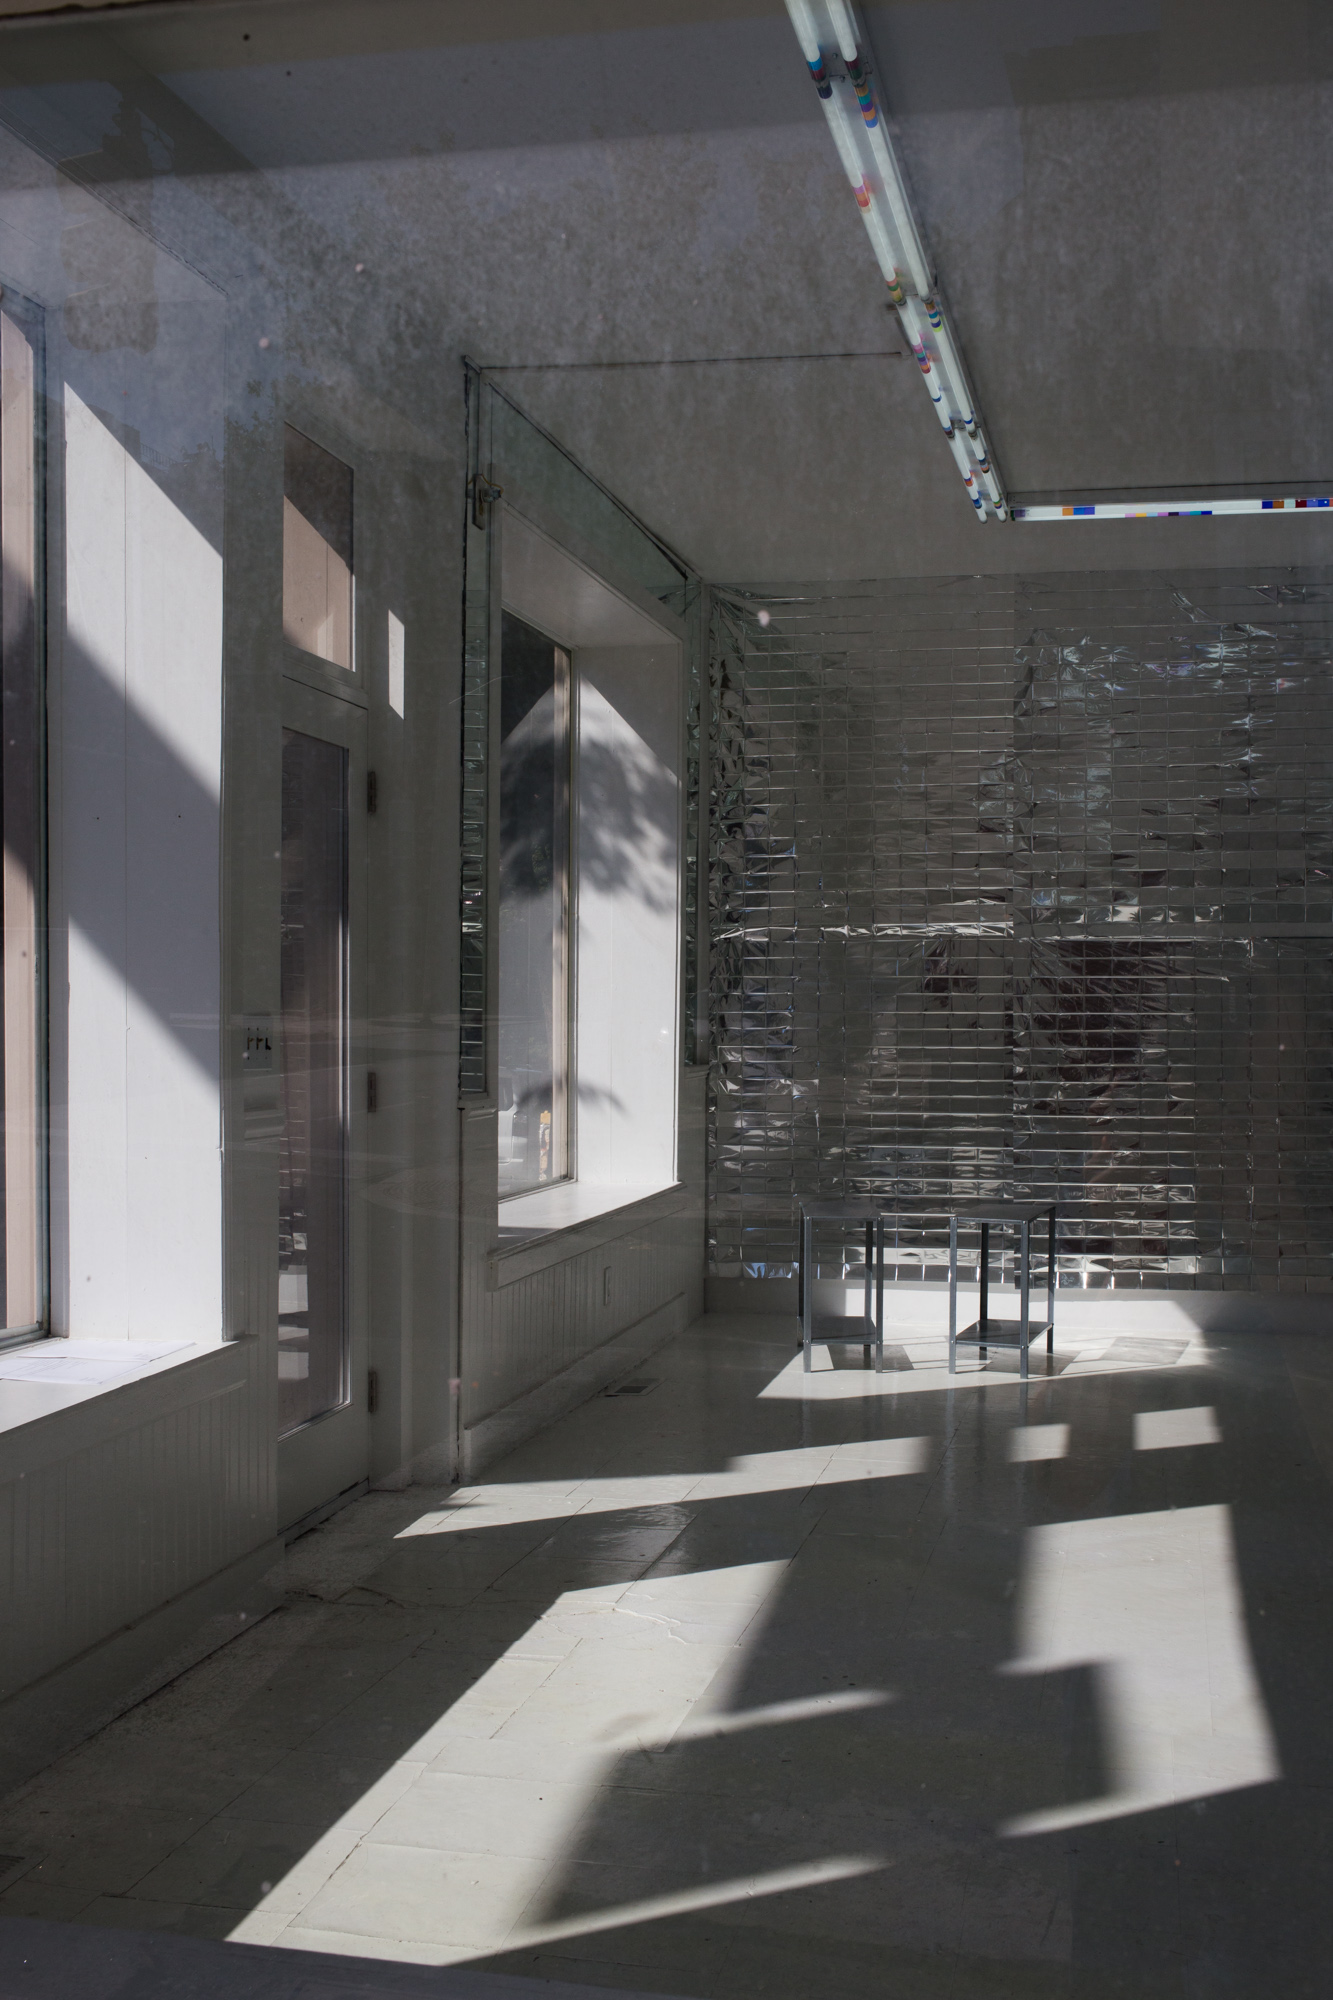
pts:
pixel 706 1693
pixel 41 1961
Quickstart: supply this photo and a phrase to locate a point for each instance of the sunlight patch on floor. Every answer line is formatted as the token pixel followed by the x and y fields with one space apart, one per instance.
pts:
pixel 753 1473
pixel 1153 1603
pixel 632 1667
pixel 1171 1430
pixel 920 1365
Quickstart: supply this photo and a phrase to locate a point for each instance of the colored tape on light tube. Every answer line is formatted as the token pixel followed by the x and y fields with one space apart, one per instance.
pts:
pixel 1169 510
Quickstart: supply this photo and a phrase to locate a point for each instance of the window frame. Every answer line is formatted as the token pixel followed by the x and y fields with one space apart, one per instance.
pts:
pixel 582 1193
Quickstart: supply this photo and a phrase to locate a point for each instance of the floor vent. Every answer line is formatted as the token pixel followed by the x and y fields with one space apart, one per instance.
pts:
pixel 640 1387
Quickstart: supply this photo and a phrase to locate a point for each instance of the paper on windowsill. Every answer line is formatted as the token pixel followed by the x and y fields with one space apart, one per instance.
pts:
pixel 83 1361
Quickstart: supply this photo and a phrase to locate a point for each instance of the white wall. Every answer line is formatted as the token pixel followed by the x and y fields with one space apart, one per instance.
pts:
pixel 136 894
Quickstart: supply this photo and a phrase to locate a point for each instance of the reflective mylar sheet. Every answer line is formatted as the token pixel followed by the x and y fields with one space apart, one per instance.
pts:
pixel 1024 886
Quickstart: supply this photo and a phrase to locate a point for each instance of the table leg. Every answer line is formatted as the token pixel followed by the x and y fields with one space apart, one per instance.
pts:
pixel 800 1270
pixel 983 1280
pixel 879 1294
pixel 1050 1287
pixel 1024 1274
pixel 953 1294
pixel 807 1287
pixel 870 1242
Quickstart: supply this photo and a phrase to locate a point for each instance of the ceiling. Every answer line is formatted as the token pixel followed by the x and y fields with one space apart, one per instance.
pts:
pixel 645 228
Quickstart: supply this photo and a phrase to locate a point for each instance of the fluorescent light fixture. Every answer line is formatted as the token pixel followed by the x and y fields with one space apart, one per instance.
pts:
pixel 834 48
pixel 1166 510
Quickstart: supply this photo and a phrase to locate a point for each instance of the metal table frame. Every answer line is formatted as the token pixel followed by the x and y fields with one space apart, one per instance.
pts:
pixel 865 1329
pixel 986 1332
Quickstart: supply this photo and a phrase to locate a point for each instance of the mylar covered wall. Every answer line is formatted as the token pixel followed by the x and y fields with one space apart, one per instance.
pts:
pixel 1026 885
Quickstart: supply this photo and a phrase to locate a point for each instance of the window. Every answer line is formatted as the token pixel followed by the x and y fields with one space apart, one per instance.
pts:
pixel 20 802
pixel 312 1225
pixel 534 1029
pixel 316 550
pixel 588 1029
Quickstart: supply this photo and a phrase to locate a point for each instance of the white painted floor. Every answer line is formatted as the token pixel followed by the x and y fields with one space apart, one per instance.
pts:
pixel 770 1684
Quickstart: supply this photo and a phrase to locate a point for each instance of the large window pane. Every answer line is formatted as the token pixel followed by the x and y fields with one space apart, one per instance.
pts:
pixel 312 1226
pixel 20 1076
pixel 534 908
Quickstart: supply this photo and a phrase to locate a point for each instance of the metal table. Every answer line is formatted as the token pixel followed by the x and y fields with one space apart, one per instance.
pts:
pixel 986 1332
pixel 865 1328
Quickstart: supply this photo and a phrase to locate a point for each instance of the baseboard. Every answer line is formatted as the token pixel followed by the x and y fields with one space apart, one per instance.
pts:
pixel 325 1512
pixel 42 1721
pixel 493 1436
pixel 435 1466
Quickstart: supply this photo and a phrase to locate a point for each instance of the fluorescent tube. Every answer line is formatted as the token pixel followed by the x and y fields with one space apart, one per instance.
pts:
pixel 1162 510
pixel 844 29
pixel 826 31
pixel 807 34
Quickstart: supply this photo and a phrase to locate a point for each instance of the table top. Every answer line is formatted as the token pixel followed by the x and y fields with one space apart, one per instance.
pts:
pixel 1003 1211
pixel 843 1211
pixel 866 1208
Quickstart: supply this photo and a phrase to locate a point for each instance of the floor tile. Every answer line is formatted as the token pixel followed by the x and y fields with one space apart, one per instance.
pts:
pixel 234 1864
pixel 440 1896
pixel 486 1814
pixel 615 1711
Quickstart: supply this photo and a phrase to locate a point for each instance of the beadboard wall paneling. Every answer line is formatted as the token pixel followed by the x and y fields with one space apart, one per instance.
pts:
pixel 112 1508
pixel 518 1336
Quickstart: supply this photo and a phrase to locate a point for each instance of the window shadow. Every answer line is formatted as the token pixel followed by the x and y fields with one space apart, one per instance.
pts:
pixel 836 1761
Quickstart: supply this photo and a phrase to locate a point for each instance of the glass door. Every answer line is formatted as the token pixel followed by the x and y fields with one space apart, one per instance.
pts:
pixel 312 1179
pixel 321 1347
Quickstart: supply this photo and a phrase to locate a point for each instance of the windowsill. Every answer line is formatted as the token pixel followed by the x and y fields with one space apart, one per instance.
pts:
pixel 23 1403
pixel 567 1202
pixel 553 1224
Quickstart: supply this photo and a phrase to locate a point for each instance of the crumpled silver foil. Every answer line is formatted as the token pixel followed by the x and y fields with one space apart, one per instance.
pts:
pixel 1024 887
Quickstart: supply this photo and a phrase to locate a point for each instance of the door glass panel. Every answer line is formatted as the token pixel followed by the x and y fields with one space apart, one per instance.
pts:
pixel 534 908
pixel 312 1224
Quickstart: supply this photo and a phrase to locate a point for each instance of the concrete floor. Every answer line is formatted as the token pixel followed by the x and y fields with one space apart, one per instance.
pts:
pixel 758 1684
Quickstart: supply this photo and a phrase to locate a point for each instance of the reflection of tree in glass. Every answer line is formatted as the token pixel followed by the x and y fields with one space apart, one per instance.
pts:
pixel 529 756
pixel 534 849
pixel 527 806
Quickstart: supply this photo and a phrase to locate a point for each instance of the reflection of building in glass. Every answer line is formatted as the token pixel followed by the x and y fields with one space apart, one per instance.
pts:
pixel 312 1175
